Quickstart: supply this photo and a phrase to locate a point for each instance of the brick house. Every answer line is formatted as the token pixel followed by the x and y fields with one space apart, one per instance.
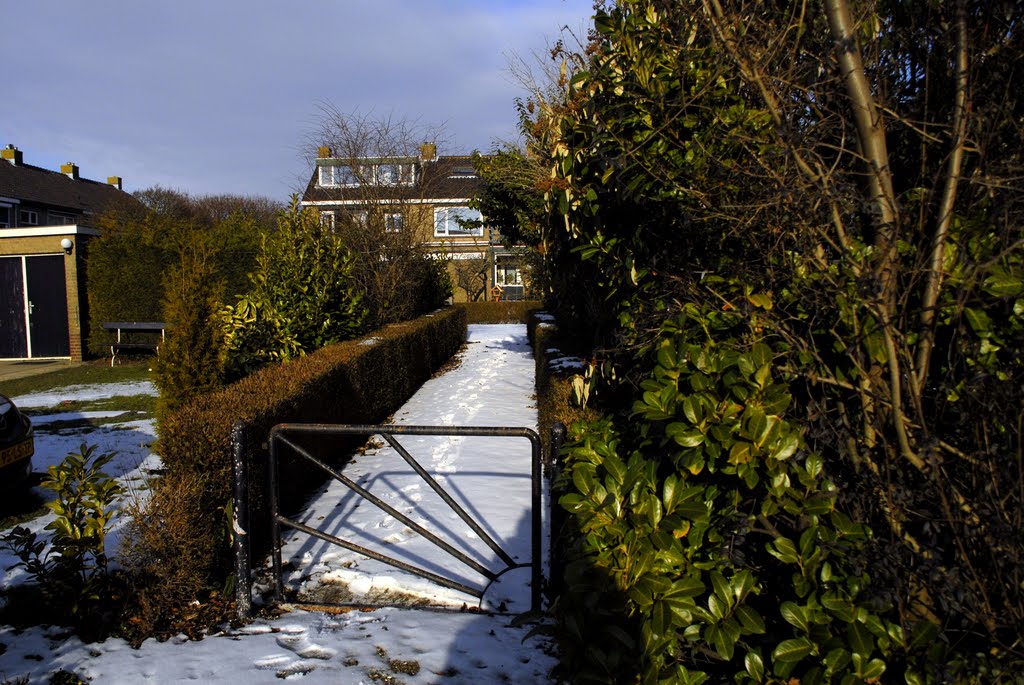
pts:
pixel 46 221
pixel 429 195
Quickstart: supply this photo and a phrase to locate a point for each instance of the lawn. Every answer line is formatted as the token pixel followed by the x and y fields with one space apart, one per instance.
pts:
pixel 90 403
pixel 97 371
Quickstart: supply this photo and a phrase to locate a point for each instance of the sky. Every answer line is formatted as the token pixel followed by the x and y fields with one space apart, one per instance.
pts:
pixel 492 385
pixel 213 97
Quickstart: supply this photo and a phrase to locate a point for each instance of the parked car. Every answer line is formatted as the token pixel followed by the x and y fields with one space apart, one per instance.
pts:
pixel 17 444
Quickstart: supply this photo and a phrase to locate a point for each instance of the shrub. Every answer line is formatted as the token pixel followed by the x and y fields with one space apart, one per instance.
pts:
pixel 302 296
pixel 189 361
pixel 358 381
pixel 704 539
pixel 140 241
pixel 71 568
pixel 499 312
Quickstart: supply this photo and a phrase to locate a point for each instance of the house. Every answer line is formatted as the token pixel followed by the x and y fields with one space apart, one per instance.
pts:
pixel 46 220
pixel 427 195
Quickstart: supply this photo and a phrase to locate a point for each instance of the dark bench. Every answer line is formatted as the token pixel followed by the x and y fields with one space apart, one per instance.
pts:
pixel 125 331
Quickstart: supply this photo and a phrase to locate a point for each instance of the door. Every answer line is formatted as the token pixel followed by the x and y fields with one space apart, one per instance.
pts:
pixel 33 307
pixel 47 306
pixel 13 339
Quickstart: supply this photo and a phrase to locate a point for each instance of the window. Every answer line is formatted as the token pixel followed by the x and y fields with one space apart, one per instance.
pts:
pixel 393 223
pixel 361 217
pixel 463 172
pixel 384 174
pixel 5 216
pixel 450 222
pixel 507 273
pixel 327 220
pixel 26 217
pixel 338 175
pixel 509 277
pixel 60 218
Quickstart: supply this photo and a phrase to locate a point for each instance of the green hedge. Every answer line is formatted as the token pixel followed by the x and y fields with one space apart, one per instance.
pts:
pixel 499 312
pixel 357 381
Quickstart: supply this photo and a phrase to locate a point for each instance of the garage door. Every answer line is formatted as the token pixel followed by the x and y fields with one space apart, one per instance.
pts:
pixel 33 307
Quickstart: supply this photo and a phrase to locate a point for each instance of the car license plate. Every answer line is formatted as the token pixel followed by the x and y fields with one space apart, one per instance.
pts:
pixel 23 450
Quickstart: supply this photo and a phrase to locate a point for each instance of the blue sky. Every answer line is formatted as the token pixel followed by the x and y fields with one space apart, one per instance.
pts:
pixel 219 96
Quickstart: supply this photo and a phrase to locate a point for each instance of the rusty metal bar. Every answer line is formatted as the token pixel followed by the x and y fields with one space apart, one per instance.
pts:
pixel 381 504
pixel 327 537
pixel 386 431
pixel 462 513
pixel 240 523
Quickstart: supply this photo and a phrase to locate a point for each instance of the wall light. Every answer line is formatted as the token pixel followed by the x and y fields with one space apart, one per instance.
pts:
pixel 67 245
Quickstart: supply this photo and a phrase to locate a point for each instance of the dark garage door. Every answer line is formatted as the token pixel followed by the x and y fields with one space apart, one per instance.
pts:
pixel 13 342
pixel 47 304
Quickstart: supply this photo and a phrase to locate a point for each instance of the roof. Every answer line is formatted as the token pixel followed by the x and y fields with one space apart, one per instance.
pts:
pixel 446 178
pixel 52 188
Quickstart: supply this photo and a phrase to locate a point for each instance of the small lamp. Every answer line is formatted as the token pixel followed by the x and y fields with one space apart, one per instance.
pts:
pixel 67 245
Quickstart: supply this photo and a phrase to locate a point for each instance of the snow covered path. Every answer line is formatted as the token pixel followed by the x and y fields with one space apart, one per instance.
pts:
pixel 493 386
pixel 489 477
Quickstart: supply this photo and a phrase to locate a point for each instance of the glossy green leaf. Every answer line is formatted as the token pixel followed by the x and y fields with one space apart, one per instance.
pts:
pixel 792 650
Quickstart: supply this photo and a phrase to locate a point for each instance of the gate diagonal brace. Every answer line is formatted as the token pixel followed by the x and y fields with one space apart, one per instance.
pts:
pixel 277 434
pixel 381 504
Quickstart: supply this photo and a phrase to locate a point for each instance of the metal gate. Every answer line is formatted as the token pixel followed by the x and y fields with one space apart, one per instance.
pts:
pixel 281 437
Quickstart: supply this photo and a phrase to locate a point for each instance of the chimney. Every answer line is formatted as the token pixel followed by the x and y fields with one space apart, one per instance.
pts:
pixel 12 155
pixel 323 152
pixel 70 170
pixel 114 181
pixel 428 152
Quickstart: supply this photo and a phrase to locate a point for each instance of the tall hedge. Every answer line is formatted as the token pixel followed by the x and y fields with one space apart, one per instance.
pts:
pixel 816 202
pixel 357 381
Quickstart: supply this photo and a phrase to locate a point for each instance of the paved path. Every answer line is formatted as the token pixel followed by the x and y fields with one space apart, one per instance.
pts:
pixel 20 368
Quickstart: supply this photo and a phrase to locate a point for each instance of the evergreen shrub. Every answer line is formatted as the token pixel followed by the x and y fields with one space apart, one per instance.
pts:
pixel 356 381
pixel 499 312
pixel 189 360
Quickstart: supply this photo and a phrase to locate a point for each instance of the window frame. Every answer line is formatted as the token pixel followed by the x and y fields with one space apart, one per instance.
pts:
pixel 32 221
pixel 394 222
pixel 447 211
pixel 60 218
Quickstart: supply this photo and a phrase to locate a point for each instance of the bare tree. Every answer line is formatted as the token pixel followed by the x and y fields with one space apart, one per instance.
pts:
pixel 380 200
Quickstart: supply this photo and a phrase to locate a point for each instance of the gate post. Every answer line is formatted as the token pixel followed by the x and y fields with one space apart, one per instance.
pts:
pixel 240 523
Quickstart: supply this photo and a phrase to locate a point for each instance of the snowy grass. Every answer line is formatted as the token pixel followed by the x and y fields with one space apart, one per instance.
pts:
pixel 493 386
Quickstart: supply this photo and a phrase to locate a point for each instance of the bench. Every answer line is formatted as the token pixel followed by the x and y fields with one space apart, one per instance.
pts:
pixel 125 330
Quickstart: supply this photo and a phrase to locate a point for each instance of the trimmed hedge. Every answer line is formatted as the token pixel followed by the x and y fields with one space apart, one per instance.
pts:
pixel 356 381
pixel 499 312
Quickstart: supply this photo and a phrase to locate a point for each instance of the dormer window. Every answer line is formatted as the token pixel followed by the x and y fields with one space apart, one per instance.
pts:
pixel 371 173
pixel 27 217
pixel 333 175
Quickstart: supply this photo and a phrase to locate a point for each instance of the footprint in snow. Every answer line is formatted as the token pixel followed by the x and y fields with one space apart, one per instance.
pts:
pixel 295 640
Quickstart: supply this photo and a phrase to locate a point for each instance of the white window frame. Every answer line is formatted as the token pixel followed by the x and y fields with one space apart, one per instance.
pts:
pixel 328 219
pixel 330 176
pixel 446 225
pixel 376 173
pixel 9 208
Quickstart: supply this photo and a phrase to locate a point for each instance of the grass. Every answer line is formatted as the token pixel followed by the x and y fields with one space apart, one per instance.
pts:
pixel 97 371
pixel 23 504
